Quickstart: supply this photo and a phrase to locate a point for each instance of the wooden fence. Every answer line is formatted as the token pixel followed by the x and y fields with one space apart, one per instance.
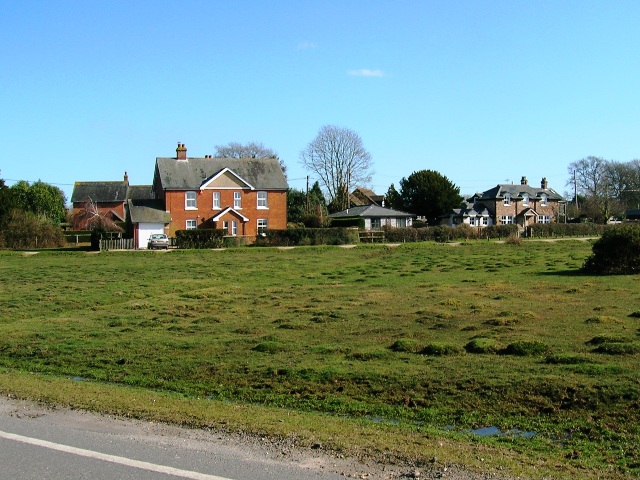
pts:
pixel 117 244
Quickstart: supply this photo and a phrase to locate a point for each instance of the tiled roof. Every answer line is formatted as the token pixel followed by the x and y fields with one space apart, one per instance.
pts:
pixel 148 211
pixel 370 211
pixel 99 191
pixel 261 173
pixel 516 191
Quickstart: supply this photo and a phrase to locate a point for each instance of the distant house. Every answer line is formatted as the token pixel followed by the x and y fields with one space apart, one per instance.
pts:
pixel 632 215
pixel 376 217
pixel 110 198
pixel 508 204
pixel 363 196
pixel 241 195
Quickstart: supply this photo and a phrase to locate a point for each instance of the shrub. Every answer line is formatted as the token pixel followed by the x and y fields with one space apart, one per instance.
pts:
pixel 602 319
pixel 482 345
pixel 525 348
pixel 348 222
pixel 439 349
pixel 309 236
pixel 566 359
pixel 618 348
pixel 200 238
pixel 616 252
pixel 367 355
pixel 635 314
pixel 26 230
pixel 405 345
pixel 514 239
pixel 608 338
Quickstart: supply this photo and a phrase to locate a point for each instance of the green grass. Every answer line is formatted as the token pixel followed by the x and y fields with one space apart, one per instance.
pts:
pixel 427 336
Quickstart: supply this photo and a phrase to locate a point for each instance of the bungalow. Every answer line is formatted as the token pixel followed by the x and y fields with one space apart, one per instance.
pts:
pixel 508 204
pixel 376 217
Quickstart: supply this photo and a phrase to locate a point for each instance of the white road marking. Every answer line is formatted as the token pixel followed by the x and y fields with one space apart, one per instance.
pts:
pixel 111 458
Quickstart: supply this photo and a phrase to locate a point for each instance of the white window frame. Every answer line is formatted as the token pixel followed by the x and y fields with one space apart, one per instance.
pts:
pixel 506 219
pixel 216 201
pixel 525 200
pixel 237 200
pixel 225 225
pixel 472 221
pixel 507 199
pixel 485 221
pixel 262 224
pixel 191 224
pixel 234 227
pixel 401 222
pixel 543 200
pixel 376 223
pixel 190 201
pixel 544 219
pixel 262 200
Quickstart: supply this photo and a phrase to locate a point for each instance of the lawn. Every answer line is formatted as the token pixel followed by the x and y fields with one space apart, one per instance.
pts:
pixel 422 342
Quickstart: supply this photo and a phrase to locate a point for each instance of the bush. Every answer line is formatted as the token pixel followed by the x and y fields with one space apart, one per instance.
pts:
pixel 618 348
pixel 439 349
pixel 200 238
pixel 616 252
pixel 347 222
pixel 482 345
pixel 566 359
pixel 269 347
pixel 525 348
pixel 26 230
pixel 608 338
pixel 308 236
pixel 405 345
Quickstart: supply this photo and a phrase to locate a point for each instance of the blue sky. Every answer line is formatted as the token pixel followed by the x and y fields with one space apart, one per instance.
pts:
pixel 483 91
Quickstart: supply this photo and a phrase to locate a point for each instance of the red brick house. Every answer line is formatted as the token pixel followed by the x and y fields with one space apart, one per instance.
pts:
pixel 508 204
pixel 240 195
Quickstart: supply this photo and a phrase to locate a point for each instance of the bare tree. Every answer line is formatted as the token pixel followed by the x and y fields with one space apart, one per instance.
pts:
pixel 247 150
pixel 338 158
pixel 90 218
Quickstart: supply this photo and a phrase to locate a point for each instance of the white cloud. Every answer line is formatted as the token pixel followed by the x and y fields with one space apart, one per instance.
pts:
pixel 365 72
pixel 306 45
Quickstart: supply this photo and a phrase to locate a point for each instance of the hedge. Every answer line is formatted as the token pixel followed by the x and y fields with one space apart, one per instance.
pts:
pixel 308 236
pixel 200 238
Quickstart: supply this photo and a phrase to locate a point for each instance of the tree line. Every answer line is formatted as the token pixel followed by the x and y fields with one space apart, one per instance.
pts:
pixel 30 215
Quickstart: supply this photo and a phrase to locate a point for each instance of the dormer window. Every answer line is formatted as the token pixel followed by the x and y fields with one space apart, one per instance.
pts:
pixel 543 199
pixel 525 199
pixel 507 199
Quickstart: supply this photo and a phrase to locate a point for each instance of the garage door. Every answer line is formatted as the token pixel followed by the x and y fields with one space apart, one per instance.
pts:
pixel 145 230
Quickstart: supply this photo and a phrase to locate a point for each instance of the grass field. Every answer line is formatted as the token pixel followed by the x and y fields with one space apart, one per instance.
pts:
pixel 394 352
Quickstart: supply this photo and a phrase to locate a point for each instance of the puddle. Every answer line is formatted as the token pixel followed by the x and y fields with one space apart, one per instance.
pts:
pixel 496 432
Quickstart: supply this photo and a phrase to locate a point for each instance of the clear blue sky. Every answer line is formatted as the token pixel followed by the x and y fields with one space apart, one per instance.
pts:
pixel 483 91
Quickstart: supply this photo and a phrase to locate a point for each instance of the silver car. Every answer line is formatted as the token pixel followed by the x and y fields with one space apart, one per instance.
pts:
pixel 158 240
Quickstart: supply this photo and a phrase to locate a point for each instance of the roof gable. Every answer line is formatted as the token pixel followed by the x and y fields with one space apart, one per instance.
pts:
pixel 234 212
pixel 225 178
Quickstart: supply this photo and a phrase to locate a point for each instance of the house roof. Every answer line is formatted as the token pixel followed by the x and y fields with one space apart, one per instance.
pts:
pixel 100 191
pixel 140 192
pixel 469 210
pixel 148 211
pixel 370 211
pixel 516 191
pixel 189 174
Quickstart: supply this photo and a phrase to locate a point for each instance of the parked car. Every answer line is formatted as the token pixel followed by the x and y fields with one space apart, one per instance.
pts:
pixel 158 240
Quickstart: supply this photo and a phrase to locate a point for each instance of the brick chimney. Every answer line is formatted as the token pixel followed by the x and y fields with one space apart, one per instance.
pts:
pixel 543 184
pixel 181 152
pixel 126 178
pixel 523 181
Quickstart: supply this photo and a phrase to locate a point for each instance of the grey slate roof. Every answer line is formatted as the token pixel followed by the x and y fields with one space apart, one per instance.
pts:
pixel 517 190
pixel 99 191
pixel 148 211
pixel 140 192
pixel 189 174
pixel 370 211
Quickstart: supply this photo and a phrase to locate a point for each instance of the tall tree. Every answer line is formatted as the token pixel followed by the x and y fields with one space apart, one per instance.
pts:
pixel 40 198
pixel 301 206
pixel 427 193
pixel 339 160
pixel 247 150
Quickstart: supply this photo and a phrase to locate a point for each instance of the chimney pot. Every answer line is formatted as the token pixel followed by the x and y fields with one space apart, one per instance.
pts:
pixel 181 152
pixel 544 183
pixel 523 181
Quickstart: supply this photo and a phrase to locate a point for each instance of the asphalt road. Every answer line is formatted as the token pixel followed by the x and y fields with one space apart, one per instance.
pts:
pixel 45 444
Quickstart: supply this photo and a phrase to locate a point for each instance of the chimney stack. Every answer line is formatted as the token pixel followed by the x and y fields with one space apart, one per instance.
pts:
pixel 181 152
pixel 543 184
pixel 523 181
pixel 126 178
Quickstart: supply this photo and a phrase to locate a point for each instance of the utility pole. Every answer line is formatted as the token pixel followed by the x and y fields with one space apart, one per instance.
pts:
pixel 308 195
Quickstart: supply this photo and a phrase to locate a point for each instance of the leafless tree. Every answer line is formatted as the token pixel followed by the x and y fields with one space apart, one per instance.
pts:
pixel 247 150
pixel 339 160
pixel 90 218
